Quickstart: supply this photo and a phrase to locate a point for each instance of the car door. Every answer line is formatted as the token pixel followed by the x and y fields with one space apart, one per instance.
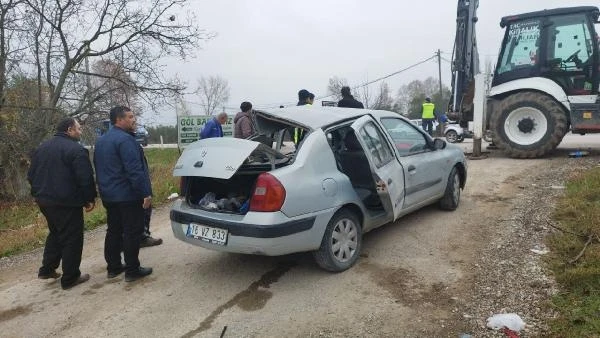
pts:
pixel 424 167
pixel 384 165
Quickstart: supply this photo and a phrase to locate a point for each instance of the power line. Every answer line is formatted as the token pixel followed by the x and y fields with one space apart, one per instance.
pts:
pixel 363 84
pixel 277 105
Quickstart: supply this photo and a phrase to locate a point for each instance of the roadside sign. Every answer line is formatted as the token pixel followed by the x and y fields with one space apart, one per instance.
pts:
pixel 189 127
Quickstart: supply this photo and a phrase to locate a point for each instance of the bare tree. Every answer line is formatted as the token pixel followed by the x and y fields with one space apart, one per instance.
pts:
pixel 335 87
pixel 213 92
pixel 411 96
pixel 47 46
pixel 365 96
pixel 383 100
pixel 134 35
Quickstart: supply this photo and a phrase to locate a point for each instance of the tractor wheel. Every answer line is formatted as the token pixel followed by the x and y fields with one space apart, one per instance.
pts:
pixel 528 124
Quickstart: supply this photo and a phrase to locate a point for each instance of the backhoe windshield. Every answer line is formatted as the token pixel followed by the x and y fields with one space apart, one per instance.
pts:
pixel 521 45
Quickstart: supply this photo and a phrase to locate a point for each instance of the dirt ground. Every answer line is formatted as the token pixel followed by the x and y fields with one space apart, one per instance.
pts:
pixel 430 274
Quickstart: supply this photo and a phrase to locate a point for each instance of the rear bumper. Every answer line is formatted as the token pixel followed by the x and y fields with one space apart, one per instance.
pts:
pixel 269 234
pixel 247 230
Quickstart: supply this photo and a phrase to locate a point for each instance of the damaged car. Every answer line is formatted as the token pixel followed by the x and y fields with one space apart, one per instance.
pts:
pixel 312 179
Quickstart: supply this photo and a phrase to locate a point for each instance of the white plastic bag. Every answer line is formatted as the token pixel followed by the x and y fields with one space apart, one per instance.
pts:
pixel 511 321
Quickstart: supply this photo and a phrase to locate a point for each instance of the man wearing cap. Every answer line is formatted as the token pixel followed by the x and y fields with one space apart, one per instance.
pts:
pixel 428 116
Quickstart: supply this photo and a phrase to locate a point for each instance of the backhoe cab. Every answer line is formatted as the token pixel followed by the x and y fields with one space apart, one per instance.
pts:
pixel 546 80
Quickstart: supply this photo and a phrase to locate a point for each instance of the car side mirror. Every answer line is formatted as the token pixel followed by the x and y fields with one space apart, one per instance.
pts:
pixel 438 143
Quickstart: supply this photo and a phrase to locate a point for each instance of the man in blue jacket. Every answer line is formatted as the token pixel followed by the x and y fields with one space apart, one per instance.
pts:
pixel 124 186
pixel 213 128
pixel 62 183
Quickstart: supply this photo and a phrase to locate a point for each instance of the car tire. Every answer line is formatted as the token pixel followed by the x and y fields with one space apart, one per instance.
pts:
pixel 341 243
pixel 451 197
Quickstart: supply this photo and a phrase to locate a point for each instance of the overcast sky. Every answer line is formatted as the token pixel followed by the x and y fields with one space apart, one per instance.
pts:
pixel 269 49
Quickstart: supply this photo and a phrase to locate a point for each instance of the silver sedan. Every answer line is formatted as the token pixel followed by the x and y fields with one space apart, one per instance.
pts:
pixel 312 179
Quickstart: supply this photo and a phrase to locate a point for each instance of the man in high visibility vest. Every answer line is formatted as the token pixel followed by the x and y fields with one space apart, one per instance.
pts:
pixel 428 116
pixel 305 98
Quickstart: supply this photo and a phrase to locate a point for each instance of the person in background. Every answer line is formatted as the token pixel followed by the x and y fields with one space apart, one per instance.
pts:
pixel 243 127
pixel 428 116
pixel 62 183
pixel 125 189
pixel 348 101
pixel 311 99
pixel 213 128
pixel 303 97
pixel 147 239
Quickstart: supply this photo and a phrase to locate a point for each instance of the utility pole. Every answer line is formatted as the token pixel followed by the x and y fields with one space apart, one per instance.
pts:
pixel 440 130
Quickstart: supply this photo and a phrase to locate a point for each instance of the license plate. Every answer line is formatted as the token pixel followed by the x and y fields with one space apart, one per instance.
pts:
pixel 207 234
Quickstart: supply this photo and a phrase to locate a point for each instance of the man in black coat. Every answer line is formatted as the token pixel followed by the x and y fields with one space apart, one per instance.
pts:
pixel 348 101
pixel 62 183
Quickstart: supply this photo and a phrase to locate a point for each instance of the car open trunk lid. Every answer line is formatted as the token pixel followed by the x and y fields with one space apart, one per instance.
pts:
pixel 222 157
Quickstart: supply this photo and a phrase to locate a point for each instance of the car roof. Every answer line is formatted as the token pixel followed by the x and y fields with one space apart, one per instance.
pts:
pixel 316 117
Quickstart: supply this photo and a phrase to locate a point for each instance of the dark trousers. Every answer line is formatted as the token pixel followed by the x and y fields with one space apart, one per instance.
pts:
pixel 147 216
pixel 428 125
pixel 125 222
pixel 64 242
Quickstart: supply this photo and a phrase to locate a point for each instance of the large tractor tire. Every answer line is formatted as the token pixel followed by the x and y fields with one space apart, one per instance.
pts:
pixel 528 124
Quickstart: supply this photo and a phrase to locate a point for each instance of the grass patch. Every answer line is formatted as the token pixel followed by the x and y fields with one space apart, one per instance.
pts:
pixel 578 214
pixel 23 227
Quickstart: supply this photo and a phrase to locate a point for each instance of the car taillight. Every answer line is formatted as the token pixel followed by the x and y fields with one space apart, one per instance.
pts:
pixel 269 194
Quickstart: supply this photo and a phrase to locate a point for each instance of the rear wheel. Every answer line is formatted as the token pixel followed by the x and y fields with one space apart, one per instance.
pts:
pixel 452 136
pixel 528 124
pixel 341 243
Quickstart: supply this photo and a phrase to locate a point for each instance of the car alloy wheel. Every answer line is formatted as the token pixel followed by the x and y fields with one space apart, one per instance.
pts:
pixel 341 242
pixel 344 240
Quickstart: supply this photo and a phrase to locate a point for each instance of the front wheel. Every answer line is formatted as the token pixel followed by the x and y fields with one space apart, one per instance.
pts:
pixel 528 124
pixel 451 197
pixel 341 243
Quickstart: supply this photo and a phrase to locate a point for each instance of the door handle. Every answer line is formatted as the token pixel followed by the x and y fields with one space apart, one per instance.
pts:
pixel 412 168
pixel 389 181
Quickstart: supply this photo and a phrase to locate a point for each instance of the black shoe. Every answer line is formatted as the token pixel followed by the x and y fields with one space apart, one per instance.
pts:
pixel 115 273
pixel 82 279
pixel 149 241
pixel 53 275
pixel 140 273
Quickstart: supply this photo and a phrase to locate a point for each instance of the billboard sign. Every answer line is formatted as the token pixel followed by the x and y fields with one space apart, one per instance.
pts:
pixel 189 127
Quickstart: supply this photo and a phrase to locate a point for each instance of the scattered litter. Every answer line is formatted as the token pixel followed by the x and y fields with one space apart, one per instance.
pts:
pixel 578 153
pixel 173 196
pixel 464 335
pixel 539 252
pixel 511 321
pixel 509 333
pixel 231 203
pixel 557 187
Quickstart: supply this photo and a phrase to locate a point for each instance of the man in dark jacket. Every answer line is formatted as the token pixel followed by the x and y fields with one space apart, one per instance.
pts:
pixel 124 186
pixel 242 123
pixel 62 183
pixel 348 100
